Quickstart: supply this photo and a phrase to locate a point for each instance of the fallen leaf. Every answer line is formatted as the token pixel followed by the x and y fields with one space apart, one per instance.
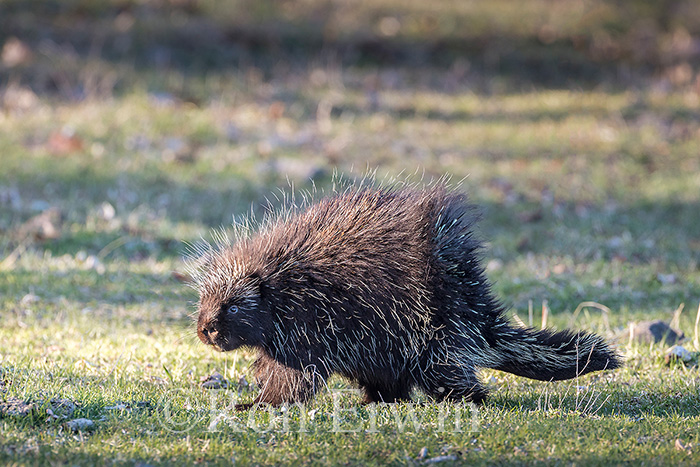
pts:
pixel 276 110
pixel 44 226
pixel 15 52
pixel 680 446
pixel 182 277
pixel 64 142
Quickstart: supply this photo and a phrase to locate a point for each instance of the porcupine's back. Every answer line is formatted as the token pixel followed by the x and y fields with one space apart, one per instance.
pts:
pixel 352 276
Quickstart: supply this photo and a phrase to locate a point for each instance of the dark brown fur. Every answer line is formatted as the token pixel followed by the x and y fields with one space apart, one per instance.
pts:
pixel 383 286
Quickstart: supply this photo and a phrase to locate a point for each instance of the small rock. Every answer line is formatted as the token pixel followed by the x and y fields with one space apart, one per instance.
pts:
pixel 117 406
pixel 106 211
pixel 61 408
pixel 666 279
pixel 435 460
pixel 29 298
pixel 215 381
pixel 14 406
pixel 423 453
pixel 81 424
pixel 494 265
pixel 243 382
pixel 678 352
pixel 297 169
pixel 656 331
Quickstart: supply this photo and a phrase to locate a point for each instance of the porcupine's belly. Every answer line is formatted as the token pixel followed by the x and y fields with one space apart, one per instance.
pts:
pixel 364 355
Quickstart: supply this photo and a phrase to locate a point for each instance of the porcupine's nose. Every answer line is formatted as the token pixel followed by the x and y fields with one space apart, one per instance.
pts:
pixel 208 333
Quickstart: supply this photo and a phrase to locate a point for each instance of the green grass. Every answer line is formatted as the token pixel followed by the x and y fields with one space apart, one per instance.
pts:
pixel 587 178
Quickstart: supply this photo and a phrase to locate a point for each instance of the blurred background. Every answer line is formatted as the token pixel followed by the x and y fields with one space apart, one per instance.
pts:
pixel 128 127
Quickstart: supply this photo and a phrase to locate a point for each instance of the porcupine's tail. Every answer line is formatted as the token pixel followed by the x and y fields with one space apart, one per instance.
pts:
pixel 551 356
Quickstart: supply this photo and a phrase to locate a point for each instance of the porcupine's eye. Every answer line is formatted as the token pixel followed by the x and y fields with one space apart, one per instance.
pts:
pixel 232 309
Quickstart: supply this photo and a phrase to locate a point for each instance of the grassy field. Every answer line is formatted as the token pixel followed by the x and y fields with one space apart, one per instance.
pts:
pixel 130 128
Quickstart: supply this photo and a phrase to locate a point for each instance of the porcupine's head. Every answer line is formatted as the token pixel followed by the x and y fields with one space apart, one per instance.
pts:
pixel 229 309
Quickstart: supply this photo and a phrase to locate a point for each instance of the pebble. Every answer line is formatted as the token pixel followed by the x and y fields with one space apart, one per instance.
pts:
pixel 81 424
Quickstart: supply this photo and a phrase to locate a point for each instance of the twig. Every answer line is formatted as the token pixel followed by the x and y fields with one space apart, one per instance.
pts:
pixel 517 319
pixel 111 246
pixel 696 340
pixel 606 311
pixel 631 334
pixel 676 321
pixel 545 313
pixel 12 258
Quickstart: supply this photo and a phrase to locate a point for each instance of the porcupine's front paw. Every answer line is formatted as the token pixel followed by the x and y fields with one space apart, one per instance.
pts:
pixel 244 407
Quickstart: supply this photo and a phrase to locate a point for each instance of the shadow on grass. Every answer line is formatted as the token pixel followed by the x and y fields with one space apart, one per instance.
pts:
pixel 164 36
pixel 398 113
pixel 593 403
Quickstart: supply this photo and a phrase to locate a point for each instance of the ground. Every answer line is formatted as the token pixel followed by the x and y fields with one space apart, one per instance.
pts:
pixel 132 128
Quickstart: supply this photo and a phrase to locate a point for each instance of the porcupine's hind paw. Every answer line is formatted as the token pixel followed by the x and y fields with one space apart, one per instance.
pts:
pixel 453 382
pixel 473 392
pixel 398 391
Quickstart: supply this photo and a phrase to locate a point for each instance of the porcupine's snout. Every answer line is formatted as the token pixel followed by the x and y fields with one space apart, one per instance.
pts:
pixel 207 332
pixel 212 329
pixel 207 329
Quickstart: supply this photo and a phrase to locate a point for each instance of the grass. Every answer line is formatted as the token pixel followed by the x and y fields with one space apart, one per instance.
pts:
pixel 587 179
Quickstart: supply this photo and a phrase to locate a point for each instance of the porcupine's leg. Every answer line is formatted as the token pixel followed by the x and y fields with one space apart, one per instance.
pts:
pixel 450 377
pixel 281 384
pixel 454 383
pixel 397 391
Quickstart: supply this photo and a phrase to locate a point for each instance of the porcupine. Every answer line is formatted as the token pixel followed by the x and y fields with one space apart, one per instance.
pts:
pixel 382 285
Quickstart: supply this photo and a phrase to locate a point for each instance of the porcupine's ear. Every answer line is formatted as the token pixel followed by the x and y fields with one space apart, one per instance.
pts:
pixel 256 278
